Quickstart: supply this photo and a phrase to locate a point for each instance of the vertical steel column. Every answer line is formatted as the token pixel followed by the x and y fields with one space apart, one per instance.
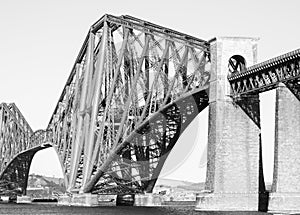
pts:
pixel 107 162
pixel 110 95
pixel 78 142
pixel 166 69
pixel 88 165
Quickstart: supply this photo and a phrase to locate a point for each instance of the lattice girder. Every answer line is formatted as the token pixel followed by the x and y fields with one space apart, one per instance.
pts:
pixel 137 162
pixel 18 144
pixel 15 134
pixel 15 176
pixel 126 71
pixel 267 75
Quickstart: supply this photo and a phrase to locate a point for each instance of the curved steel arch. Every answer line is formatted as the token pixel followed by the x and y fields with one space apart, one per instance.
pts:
pixel 136 163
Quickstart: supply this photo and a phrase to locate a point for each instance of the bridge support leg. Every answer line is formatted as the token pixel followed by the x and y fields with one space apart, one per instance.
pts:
pixel 147 199
pixel 233 161
pixel 285 194
pixel 232 180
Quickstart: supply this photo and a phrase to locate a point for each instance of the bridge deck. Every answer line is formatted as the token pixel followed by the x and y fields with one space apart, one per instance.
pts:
pixel 266 75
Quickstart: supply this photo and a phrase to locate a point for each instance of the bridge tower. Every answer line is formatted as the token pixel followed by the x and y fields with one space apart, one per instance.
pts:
pixel 285 193
pixel 232 180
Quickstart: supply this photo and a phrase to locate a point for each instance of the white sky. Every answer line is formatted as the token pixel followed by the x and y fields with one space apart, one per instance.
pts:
pixel 40 40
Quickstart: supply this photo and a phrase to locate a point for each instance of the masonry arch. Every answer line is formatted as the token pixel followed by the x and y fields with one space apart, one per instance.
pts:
pixel 236 64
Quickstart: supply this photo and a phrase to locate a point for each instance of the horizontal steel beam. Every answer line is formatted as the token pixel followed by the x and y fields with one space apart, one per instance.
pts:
pixel 267 75
pixel 142 25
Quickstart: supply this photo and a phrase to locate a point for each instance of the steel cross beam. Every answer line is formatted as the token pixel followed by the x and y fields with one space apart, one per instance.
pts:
pixel 267 75
pixel 126 71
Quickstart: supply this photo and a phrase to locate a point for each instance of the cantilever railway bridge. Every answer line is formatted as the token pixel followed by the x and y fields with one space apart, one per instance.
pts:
pixel 133 90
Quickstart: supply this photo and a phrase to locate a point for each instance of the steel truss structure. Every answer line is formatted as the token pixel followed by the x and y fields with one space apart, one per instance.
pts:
pixel 134 88
pixel 18 144
pixel 15 134
pixel 13 180
pixel 267 75
pixel 129 74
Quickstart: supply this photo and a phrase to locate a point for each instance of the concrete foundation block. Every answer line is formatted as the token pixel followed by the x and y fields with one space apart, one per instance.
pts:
pixel 4 198
pixel 84 199
pixel 24 199
pixel 64 200
pixel 284 203
pixel 147 200
pixel 227 202
pixel 107 198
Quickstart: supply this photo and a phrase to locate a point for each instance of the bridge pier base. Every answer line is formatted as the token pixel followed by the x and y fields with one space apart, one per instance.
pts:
pixel 24 199
pixel 284 203
pixel 233 168
pixel 147 199
pixel 82 199
pixel 232 179
pixel 285 194
pixel 4 198
pixel 64 200
pixel 227 201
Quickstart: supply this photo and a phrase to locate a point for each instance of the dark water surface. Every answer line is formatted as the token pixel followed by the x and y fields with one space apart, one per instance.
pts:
pixel 109 210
